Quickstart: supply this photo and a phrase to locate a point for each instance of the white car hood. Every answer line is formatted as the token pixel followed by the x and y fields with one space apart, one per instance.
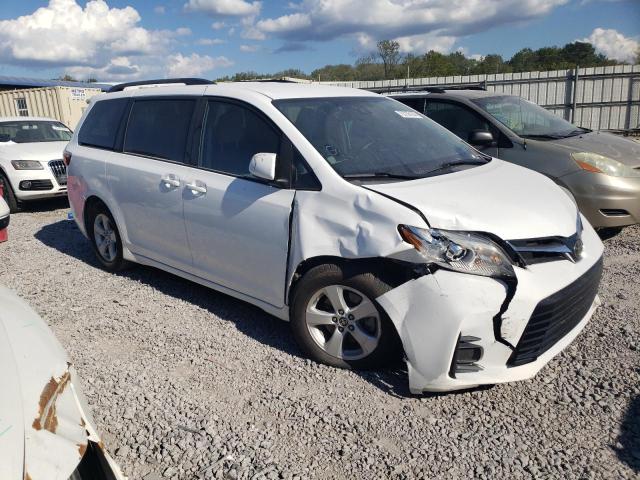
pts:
pixel 499 198
pixel 32 151
pixel 42 426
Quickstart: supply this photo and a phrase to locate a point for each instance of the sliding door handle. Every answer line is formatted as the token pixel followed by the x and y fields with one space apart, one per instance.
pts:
pixel 197 187
pixel 171 181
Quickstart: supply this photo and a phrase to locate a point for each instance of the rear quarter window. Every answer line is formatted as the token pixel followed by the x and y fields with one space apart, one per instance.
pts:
pixel 100 128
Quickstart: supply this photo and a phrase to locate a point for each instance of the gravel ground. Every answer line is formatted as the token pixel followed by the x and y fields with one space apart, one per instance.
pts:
pixel 188 383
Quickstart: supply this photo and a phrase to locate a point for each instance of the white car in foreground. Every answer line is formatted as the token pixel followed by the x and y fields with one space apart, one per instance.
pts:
pixel 368 226
pixel 31 165
pixel 46 431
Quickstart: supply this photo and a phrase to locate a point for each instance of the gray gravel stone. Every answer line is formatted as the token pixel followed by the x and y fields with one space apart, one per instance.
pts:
pixel 187 383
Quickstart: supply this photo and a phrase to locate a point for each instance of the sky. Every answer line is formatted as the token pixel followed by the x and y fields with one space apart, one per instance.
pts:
pixel 119 40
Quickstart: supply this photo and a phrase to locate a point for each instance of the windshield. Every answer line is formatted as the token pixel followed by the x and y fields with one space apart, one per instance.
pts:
pixel 526 118
pixel 24 131
pixel 376 137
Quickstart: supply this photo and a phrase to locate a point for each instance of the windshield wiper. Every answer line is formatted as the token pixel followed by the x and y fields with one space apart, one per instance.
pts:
pixel 444 166
pixel 367 175
pixel 543 135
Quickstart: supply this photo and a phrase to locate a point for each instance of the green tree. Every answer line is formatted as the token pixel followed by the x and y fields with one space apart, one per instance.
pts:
pixel 290 72
pixel 492 63
pixel 583 54
pixel 368 69
pixel 389 53
pixel 335 73
pixel 67 78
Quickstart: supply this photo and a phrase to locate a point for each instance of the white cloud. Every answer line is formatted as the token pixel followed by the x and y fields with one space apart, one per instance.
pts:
pixel 210 41
pixel 613 44
pixel 249 48
pixel 96 41
pixel 159 9
pixel 424 43
pixel 286 23
pixel 64 33
pixel 231 8
pixel 416 24
pixel 194 65
pixel 218 25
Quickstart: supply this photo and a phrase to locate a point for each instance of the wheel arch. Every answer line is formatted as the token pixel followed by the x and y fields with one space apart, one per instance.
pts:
pixel 392 272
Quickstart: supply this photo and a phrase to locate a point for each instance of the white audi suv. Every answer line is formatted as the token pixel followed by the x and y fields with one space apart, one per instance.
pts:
pixel 373 230
pixel 31 165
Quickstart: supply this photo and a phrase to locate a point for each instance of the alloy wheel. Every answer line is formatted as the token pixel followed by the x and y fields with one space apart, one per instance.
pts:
pixel 105 237
pixel 343 322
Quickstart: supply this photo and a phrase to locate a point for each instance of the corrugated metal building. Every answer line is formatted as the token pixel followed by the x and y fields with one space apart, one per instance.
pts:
pixel 65 104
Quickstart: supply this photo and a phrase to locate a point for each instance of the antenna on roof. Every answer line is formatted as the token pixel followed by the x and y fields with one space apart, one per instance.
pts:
pixel 151 83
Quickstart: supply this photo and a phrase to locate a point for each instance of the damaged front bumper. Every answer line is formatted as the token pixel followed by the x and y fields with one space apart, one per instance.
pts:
pixel 455 337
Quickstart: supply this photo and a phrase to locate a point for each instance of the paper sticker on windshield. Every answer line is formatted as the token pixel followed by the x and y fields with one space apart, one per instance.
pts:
pixel 408 114
pixel 60 129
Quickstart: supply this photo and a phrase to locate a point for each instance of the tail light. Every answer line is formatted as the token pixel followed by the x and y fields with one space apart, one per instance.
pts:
pixel 66 158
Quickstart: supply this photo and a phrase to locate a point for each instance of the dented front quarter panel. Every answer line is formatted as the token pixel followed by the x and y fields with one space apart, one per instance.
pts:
pixel 44 424
pixel 347 221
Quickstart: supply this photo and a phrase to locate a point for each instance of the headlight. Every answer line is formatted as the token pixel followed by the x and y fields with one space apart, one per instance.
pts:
pixel 593 162
pixel 460 251
pixel 26 164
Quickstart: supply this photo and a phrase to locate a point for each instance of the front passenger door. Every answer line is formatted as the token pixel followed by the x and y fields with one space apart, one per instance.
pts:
pixel 238 226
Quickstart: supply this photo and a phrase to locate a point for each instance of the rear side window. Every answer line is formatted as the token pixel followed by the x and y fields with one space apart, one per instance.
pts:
pixel 100 128
pixel 159 128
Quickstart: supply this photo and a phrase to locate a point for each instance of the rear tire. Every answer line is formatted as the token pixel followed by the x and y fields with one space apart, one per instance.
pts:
pixel 9 196
pixel 105 238
pixel 336 320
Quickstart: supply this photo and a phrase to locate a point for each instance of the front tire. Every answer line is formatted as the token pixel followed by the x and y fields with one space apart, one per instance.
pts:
pixel 105 239
pixel 336 320
pixel 9 195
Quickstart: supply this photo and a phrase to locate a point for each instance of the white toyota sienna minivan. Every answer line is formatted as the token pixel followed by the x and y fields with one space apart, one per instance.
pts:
pixel 369 227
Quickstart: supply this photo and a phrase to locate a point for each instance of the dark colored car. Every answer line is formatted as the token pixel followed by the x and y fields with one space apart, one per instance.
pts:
pixel 600 169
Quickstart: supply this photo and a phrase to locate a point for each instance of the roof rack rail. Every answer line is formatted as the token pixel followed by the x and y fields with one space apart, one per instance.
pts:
pixel 277 80
pixel 181 81
pixel 428 88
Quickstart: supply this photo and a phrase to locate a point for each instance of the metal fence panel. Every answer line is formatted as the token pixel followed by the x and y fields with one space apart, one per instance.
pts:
pixel 602 98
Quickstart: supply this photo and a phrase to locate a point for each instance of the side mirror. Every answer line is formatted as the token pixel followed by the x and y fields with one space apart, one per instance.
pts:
pixel 263 165
pixel 480 138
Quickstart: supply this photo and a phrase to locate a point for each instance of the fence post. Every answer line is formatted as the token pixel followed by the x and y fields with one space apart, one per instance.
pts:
pixel 575 94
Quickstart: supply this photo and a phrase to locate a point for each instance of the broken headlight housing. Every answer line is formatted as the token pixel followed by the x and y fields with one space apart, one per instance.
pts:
pixel 459 251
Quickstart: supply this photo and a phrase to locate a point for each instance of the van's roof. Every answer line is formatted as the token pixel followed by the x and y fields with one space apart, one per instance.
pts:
pixel 272 90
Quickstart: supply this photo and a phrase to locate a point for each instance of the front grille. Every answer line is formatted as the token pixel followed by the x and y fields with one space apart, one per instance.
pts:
pixel 556 316
pixel 59 170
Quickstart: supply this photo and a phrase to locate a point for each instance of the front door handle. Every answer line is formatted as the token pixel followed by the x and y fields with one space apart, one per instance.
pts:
pixel 197 187
pixel 171 181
